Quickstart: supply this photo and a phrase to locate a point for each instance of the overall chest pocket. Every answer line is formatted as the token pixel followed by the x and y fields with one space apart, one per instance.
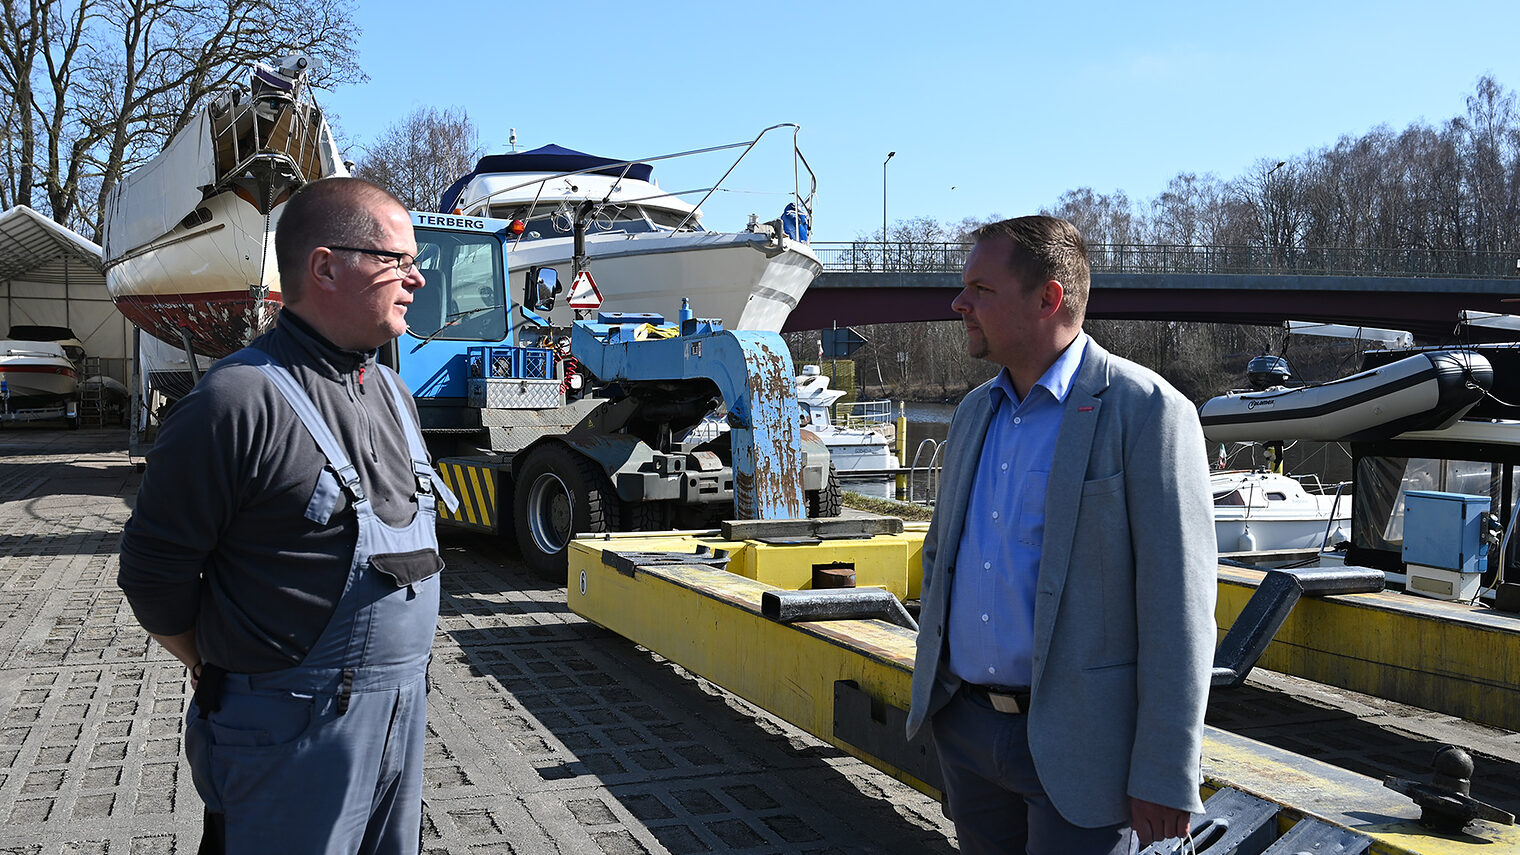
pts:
pixel 407 568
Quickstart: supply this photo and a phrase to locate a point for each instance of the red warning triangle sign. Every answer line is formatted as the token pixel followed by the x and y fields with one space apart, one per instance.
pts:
pixel 584 293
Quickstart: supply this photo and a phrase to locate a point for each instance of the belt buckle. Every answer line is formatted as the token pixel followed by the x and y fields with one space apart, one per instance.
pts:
pixel 1005 703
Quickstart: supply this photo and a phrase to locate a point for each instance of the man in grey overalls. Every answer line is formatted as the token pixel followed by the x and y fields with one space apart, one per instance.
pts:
pixel 283 547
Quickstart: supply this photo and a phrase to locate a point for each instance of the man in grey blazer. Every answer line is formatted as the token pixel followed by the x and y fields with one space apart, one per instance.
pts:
pixel 1067 630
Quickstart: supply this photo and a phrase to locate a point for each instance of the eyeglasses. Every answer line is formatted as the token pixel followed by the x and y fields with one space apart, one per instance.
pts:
pixel 405 262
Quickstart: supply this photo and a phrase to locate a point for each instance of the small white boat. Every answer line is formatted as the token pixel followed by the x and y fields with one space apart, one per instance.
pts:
pixel 861 450
pixel 646 248
pixel 1427 391
pixel 35 374
pixel 1264 511
pixel 189 237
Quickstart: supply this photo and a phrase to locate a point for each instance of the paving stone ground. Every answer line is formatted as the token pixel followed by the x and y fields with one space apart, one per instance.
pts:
pixel 546 734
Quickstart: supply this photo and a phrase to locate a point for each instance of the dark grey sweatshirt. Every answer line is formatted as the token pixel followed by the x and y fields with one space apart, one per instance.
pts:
pixel 218 539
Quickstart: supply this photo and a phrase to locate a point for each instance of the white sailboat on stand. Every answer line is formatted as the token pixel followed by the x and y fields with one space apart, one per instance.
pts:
pixel 189 237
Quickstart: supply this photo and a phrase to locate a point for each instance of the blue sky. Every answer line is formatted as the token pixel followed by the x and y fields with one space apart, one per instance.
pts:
pixel 991 107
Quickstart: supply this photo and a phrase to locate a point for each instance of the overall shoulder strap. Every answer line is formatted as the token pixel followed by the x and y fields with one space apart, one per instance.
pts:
pixel 307 412
pixel 428 481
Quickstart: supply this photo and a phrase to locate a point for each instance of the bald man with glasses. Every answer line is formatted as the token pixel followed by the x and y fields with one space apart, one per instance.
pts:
pixel 282 547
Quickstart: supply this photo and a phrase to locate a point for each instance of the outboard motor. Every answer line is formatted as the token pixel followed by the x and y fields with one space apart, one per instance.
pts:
pixel 1265 372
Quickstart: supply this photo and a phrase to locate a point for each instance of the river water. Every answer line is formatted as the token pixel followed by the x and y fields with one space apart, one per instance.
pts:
pixel 926 421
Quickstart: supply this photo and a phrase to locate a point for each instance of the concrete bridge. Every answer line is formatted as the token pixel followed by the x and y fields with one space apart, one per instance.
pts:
pixel 1417 290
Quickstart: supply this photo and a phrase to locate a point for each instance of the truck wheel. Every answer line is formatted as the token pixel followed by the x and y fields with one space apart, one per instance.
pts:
pixel 559 493
pixel 828 502
pixel 644 516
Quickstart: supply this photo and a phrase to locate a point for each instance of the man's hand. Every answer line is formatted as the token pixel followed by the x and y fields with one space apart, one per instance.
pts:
pixel 1153 822
pixel 182 647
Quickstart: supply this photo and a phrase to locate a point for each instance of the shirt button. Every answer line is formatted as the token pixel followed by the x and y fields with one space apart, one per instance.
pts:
pixel 991 670
pixel 986 565
pixel 994 514
pixel 1017 420
pixel 984 618
pixel 1005 467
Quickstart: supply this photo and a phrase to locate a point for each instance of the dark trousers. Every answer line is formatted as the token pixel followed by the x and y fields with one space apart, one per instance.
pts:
pixel 993 794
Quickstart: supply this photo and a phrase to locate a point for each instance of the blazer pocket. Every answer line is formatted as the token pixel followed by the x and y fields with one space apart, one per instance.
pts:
pixel 1103 486
pixel 1112 666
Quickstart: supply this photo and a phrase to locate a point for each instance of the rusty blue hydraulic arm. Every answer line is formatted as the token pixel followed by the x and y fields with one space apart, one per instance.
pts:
pixel 754 374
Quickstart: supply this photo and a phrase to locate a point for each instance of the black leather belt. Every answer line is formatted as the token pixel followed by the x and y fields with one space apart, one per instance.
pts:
pixel 1000 698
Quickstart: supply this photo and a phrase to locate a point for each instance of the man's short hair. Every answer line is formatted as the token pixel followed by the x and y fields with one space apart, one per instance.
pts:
pixel 331 211
pixel 1046 248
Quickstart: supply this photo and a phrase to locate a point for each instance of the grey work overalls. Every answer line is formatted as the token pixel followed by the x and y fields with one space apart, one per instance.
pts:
pixel 326 756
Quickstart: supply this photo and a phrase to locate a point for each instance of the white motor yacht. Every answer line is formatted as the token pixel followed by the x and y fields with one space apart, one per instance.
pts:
pixel 1264 511
pixel 646 248
pixel 35 374
pixel 860 449
pixel 189 237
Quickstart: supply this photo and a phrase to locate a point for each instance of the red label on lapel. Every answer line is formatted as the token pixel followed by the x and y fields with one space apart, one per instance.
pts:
pixel 1084 409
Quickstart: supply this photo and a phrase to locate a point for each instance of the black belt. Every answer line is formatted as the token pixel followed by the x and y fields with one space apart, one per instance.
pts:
pixel 1000 698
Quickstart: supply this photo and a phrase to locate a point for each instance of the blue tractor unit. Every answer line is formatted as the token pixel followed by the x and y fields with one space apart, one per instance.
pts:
pixel 621 423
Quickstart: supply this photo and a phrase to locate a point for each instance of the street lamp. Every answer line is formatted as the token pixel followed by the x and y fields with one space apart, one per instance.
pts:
pixel 890 155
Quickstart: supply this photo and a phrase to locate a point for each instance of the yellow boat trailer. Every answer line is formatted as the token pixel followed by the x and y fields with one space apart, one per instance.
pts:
pixel 699 600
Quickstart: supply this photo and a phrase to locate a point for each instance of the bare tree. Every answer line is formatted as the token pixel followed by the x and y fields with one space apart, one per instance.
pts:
pixel 98 87
pixel 418 157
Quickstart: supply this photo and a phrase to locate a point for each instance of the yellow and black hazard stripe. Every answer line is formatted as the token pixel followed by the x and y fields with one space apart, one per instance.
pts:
pixel 474 483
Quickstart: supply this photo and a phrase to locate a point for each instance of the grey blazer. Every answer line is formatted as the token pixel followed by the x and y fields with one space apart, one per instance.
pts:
pixel 1124 608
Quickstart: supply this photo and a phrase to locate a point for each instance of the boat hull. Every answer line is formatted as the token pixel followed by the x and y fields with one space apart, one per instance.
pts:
pixel 218 280
pixel 38 383
pixel 749 281
pixel 1264 534
pixel 36 374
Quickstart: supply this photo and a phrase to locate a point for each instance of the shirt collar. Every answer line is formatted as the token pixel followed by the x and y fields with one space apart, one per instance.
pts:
pixel 1057 379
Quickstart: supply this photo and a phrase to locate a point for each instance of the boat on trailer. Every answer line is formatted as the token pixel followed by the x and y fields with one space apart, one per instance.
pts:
pixel 36 373
pixel 647 247
pixel 189 237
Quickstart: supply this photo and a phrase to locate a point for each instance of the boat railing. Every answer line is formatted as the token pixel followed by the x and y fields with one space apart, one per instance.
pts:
pixel 1335 506
pixel 799 164
pixel 252 126
pixel 931 471
pixel 863 414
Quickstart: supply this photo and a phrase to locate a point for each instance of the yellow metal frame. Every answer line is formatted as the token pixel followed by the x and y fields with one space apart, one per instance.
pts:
pixel 709 622
pixel 1431 654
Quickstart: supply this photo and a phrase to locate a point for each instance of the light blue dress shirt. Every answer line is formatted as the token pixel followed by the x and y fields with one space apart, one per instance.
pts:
pixel 991 620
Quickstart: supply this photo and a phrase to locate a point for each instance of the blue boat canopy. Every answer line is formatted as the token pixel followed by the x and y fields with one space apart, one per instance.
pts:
pixel 550 158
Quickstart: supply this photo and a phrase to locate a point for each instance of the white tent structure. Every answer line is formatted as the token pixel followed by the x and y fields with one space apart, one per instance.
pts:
pixel 51 276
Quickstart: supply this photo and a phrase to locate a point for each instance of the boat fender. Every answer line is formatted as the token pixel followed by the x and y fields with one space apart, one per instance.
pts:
pixel 1247 541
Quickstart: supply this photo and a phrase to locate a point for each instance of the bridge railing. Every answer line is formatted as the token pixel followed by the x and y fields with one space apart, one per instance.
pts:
pixel 938 257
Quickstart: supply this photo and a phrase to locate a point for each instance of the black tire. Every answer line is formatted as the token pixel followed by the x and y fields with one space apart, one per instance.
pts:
pixel 559 494
pixel 643 516
pixel 828 502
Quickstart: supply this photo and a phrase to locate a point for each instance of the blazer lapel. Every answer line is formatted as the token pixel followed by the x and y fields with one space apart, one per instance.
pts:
pixel 966 448
pixel 1063 492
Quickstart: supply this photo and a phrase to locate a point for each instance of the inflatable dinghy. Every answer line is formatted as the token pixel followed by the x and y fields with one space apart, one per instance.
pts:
pixel 1427 391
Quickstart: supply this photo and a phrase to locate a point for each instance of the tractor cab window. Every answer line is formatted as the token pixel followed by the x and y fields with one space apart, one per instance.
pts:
pixel 465 295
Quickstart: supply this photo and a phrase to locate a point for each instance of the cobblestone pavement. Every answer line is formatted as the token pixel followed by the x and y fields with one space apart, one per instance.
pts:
pixel 546 734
